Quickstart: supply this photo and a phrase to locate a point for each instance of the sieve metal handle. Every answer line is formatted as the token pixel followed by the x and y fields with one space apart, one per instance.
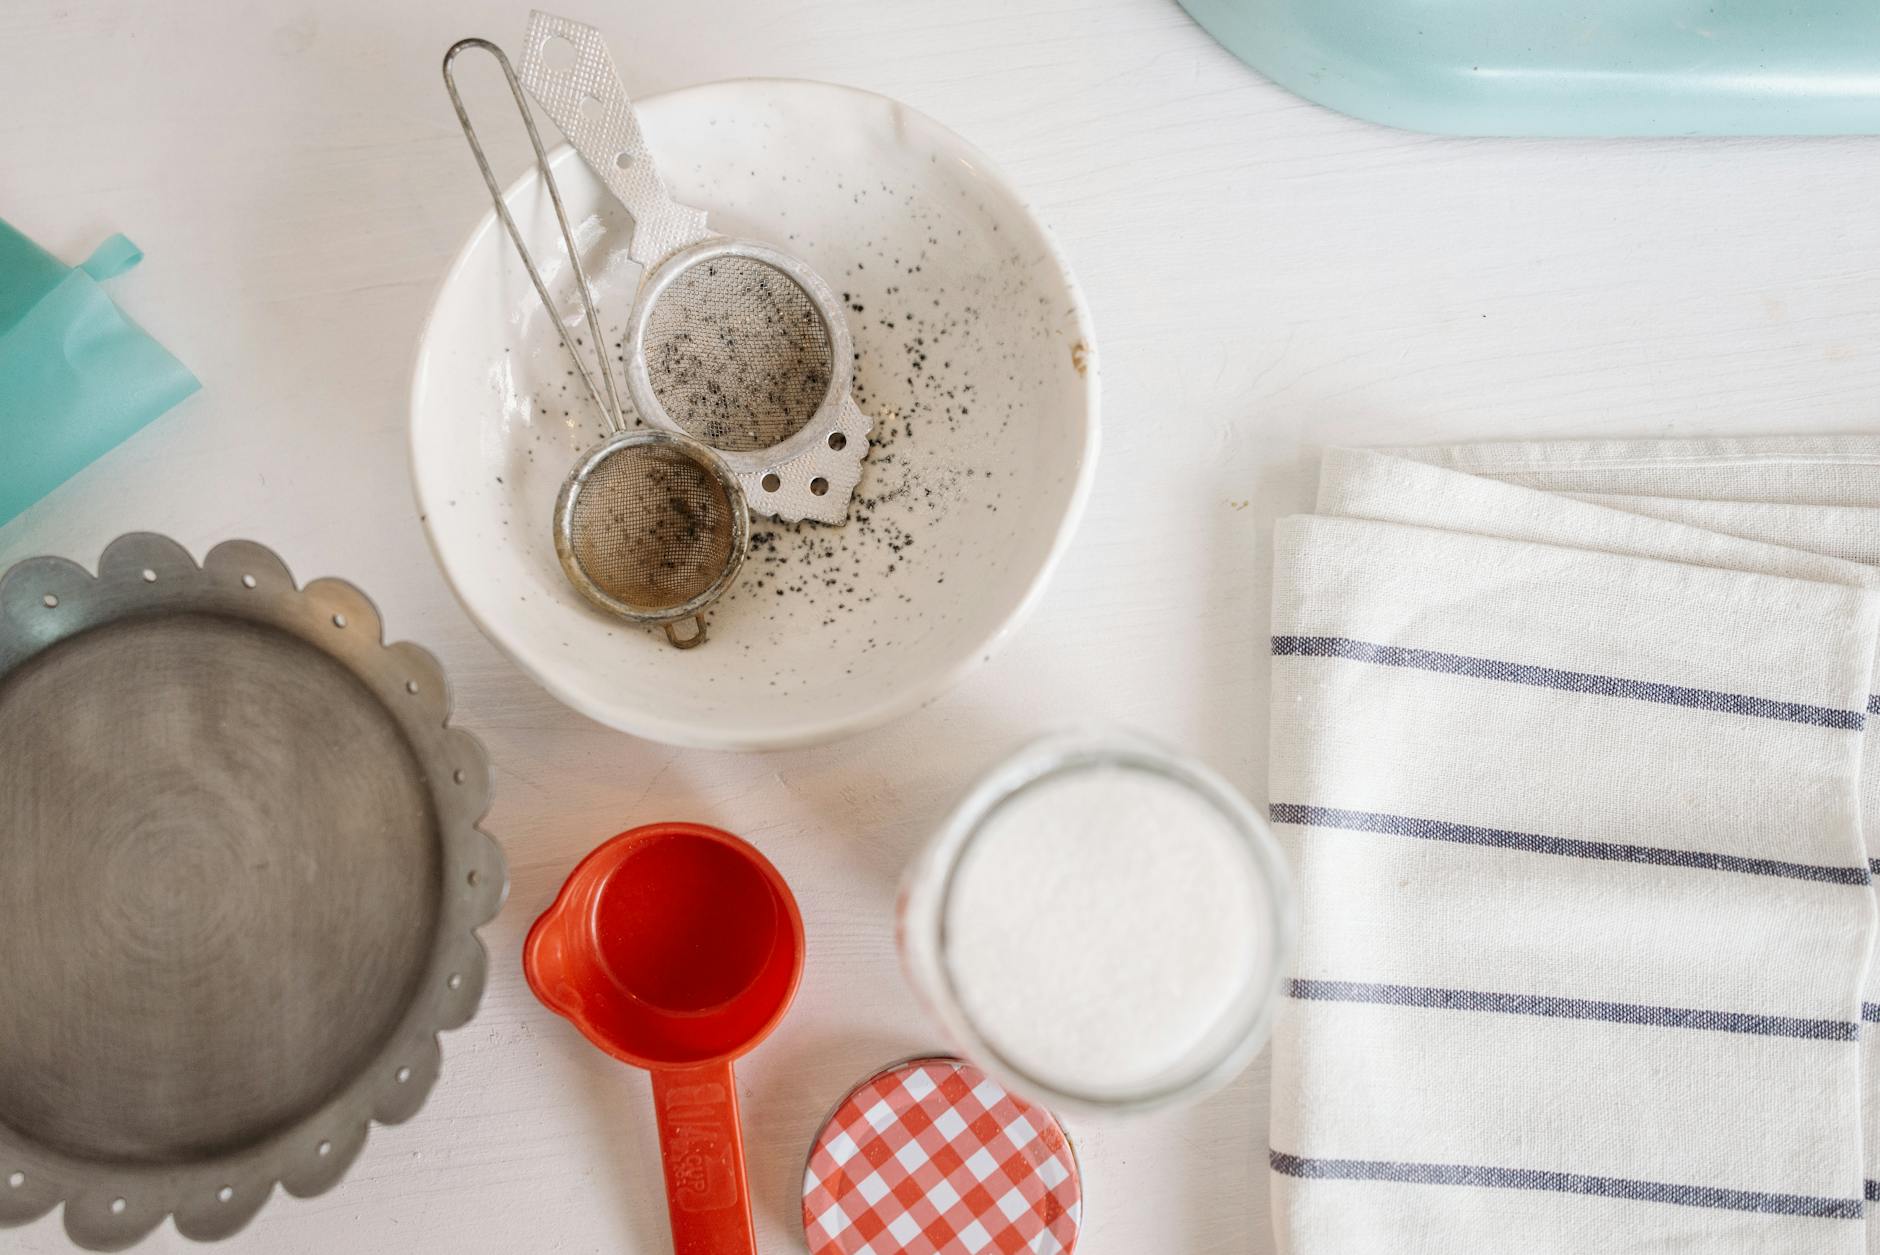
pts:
pixel 582 92
pixel 687 642
pixel 610 405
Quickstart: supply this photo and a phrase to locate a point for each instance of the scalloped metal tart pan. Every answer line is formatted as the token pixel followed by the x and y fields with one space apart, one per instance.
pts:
pixel 240 877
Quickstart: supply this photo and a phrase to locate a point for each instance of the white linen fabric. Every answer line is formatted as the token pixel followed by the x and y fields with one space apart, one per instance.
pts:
pixel 1568 747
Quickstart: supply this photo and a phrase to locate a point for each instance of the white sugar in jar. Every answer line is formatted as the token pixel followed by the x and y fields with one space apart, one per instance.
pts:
pixel 1101 923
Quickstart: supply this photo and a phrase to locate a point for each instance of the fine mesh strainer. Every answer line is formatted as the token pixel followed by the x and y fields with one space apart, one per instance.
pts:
pixel 652 527
pixel 732 342
pixel 649 525
pixel 736 354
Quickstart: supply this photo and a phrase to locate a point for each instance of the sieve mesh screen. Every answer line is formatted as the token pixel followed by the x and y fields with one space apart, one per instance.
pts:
pixel 737 354
pixel 652 527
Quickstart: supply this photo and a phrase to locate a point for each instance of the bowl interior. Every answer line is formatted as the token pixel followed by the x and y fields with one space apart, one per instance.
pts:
pixel 973 355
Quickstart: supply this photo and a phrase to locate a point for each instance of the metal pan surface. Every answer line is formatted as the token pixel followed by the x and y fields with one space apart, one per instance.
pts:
pixel 240 874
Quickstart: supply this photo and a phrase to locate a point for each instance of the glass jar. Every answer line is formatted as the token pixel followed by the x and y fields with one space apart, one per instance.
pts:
pixel 1230 1039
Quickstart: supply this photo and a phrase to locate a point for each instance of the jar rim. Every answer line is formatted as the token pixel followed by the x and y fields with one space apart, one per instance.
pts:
pixel 1241 1030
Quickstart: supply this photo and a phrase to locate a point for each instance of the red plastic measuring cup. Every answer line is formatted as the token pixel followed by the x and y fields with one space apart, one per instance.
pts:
pixel 676 948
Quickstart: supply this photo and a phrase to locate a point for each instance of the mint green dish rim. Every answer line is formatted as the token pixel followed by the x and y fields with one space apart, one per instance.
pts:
pixel 1585 68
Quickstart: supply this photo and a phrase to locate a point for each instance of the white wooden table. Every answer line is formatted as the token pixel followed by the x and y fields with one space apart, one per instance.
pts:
pixel 1266 278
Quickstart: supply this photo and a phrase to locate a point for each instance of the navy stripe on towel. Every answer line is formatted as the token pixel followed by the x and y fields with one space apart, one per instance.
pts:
pixel 1870 1012
pixel 1580 1009
pixel 1568 1183
pixel 1873 1191
pixel 1873 703
pixel 1568 681
pixel 1534 843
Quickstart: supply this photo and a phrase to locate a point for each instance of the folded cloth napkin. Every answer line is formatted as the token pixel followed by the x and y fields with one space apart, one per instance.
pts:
pixel 1820 494
pixel 1574 791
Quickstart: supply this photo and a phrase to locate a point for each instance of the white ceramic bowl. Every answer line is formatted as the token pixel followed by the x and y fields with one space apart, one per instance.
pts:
pixel 975 356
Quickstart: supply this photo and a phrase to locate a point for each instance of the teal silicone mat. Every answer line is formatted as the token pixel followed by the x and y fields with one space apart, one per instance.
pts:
pixel 1572 67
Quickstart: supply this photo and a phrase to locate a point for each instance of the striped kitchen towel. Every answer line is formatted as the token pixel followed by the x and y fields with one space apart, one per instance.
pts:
pixel 1820 494
pixel 1574 792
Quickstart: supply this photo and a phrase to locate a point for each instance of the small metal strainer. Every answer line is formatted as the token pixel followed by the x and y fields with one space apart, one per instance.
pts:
pixel 732 342
pixel 650 525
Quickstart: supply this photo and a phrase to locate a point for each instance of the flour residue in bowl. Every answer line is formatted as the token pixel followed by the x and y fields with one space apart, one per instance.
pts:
pixel 941 444
pixel 961 317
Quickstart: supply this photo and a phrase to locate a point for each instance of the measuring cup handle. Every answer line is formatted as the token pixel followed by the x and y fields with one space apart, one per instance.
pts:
pixel 703 1150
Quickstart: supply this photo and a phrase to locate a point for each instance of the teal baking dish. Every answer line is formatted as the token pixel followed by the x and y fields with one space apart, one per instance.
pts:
pixel 1572 67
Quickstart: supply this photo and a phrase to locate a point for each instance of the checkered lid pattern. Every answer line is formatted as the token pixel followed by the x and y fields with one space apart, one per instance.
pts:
pixel 932 1157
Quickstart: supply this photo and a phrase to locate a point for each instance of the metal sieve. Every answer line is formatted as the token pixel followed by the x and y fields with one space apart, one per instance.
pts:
pixel 652 527
pixel 649 525
pixel 736 353
pixel 732 342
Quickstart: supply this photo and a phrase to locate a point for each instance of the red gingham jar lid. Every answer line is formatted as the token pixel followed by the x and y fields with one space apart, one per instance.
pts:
pixel 933 1157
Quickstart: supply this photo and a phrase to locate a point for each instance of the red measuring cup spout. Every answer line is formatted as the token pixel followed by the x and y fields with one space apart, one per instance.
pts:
pixel 677 948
